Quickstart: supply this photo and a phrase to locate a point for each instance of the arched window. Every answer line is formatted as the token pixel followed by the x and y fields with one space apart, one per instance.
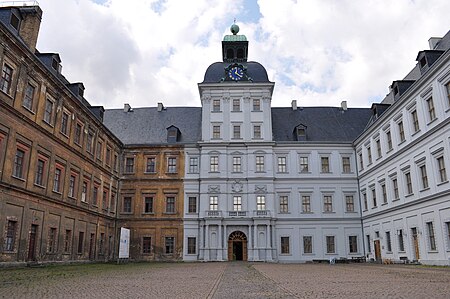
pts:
pixel 230 54
pixel 240 53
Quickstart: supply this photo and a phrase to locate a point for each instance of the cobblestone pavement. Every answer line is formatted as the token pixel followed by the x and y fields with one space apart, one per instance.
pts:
pixel 226 280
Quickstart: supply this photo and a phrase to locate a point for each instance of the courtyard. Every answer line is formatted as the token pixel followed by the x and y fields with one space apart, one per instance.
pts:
pixel 226 280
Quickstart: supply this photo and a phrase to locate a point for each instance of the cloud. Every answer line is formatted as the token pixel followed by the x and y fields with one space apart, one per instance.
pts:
pixel 318 52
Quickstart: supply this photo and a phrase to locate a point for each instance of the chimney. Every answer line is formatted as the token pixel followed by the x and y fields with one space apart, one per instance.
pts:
pixel 29 28
pixel 127 108
pixel 160 107
pixel 344 105
pixel 433 41
pixel 294 104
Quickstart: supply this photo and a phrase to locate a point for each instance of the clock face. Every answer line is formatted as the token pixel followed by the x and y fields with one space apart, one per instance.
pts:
pixel 236 73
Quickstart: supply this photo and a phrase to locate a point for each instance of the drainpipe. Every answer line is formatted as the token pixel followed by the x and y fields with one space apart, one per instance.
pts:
pixel 360 204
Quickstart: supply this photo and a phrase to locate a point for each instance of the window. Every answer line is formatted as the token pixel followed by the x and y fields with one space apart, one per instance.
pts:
pixel 349 203
pixel 236 164
pixel 431 110
pixel 365 201
pixel 95 196
pixel 285 245
pixel 68 241
pixel 29 97
pixel 237 203
pixel 51 246
pixel 415 121
pixel 401 131
pixel 113 202
pixel 150 166
pixel 105 199
pixel 213 203
pixel 260 203
pixel 90 142
pixel 39 176
pixel 216 132
pixel 378 145
pixel 361 161
pixel 146 245
pixel 259 163
pixel 10 240
pixel 307 244
pixel 127 204
pixel 80 242
pixel 72 182
pixel 304 164
pixel 172 165
pixel 6 80
pixel 389 140
pixel 84 191
pixel 78 133
pixel 346 165
pixel 216 105
pixel 170 204
pixel 388 242
pixel 64 123
pixel 193 165
pixel 191 248
pixel 148 204
pixel 448 232
pixel 423 174
pixel 408 181
pixel 282 164
pixel 19 163
pixel 48 112
pixel 256 131
pixel 115 166
pixel 353 244
pixel 15 21
pixel 431 237
pixel 108 156
pixel 236 131
pixel 214 163
pixel 57 180
pixel 330 244
pixel 384 193
pixel 129 165
pixel 236 105
pixel 441 168
pixel 374 198
pixel 327 203
pixel 395 188
pixel 169 245
pixel 306 204
pixel 192 204
pixel 369 155
pixel 101 244
pixel 284 205
pixel 401 244
pixel 99 150
pixel 256 105
pixel 325 164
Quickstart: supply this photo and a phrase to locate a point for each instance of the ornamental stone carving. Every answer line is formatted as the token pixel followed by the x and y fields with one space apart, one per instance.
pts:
pixel 237 186
pixel 261 189
pixel 213 188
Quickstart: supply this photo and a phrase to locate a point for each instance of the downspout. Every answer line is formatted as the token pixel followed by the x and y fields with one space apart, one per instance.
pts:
pixel 360 204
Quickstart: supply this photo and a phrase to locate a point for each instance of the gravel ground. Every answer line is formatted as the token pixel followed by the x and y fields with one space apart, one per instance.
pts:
pixel 226 280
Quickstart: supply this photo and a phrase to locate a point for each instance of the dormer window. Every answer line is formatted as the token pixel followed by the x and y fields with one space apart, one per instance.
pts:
pixel 423 62
pixel 395 90
pixel 15 21
pixel 55 64
pixel 230 54
pixel 172 134
pixel 300 132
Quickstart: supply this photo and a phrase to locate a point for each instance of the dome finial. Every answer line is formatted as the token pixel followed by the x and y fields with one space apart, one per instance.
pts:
pixel 234 28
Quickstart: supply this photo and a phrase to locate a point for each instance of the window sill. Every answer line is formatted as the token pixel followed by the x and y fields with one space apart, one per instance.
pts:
pixel 432 121
pixel 256 111
pixel 374 207
pixel 57 192
pixel 84 203
pixel 433 251
pixel 384 203
pixel 284 213
pixel 351 212
pixel 396 199
pixel 214 172
pixel 192 213
pixel 308 213
pixel 39 186
pixel 389 150
pixel 169 173
pixel 304 172
pixel 128 173
pixel 257 138
pixel 47 123
pixel 126 213
pixel 150 172
pixel 148 213
pixel 424 189
pixel 18 178
pixel 325 212
pixel 409 195
pixel 29 110
pixel 415 133
pixel 64 135
pixel 169 213
pixel 442 183
pixel 236 111
pixel 216 111
pixel 325 172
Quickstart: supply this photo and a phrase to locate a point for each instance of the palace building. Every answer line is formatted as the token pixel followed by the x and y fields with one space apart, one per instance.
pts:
pixel 234 179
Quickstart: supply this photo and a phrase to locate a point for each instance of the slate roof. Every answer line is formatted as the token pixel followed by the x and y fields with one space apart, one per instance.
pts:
pixel 216 71
pixel 149 126
pixel 324 124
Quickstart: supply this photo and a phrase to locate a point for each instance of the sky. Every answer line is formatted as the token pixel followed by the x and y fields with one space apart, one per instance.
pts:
pixel 318 52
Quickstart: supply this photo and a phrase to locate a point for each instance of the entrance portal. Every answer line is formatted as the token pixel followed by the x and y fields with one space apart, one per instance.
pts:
pixel 237 246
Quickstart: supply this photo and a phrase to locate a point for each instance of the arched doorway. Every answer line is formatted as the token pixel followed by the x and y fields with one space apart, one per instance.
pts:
pixel 237 246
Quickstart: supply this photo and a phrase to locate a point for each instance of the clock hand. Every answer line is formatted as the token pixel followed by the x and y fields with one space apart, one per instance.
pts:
pixel 237 74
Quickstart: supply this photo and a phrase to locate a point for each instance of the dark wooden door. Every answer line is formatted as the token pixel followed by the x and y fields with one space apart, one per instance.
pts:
pixel 377 247
pixel 415 238
pixel 32 243
pixel 91 247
